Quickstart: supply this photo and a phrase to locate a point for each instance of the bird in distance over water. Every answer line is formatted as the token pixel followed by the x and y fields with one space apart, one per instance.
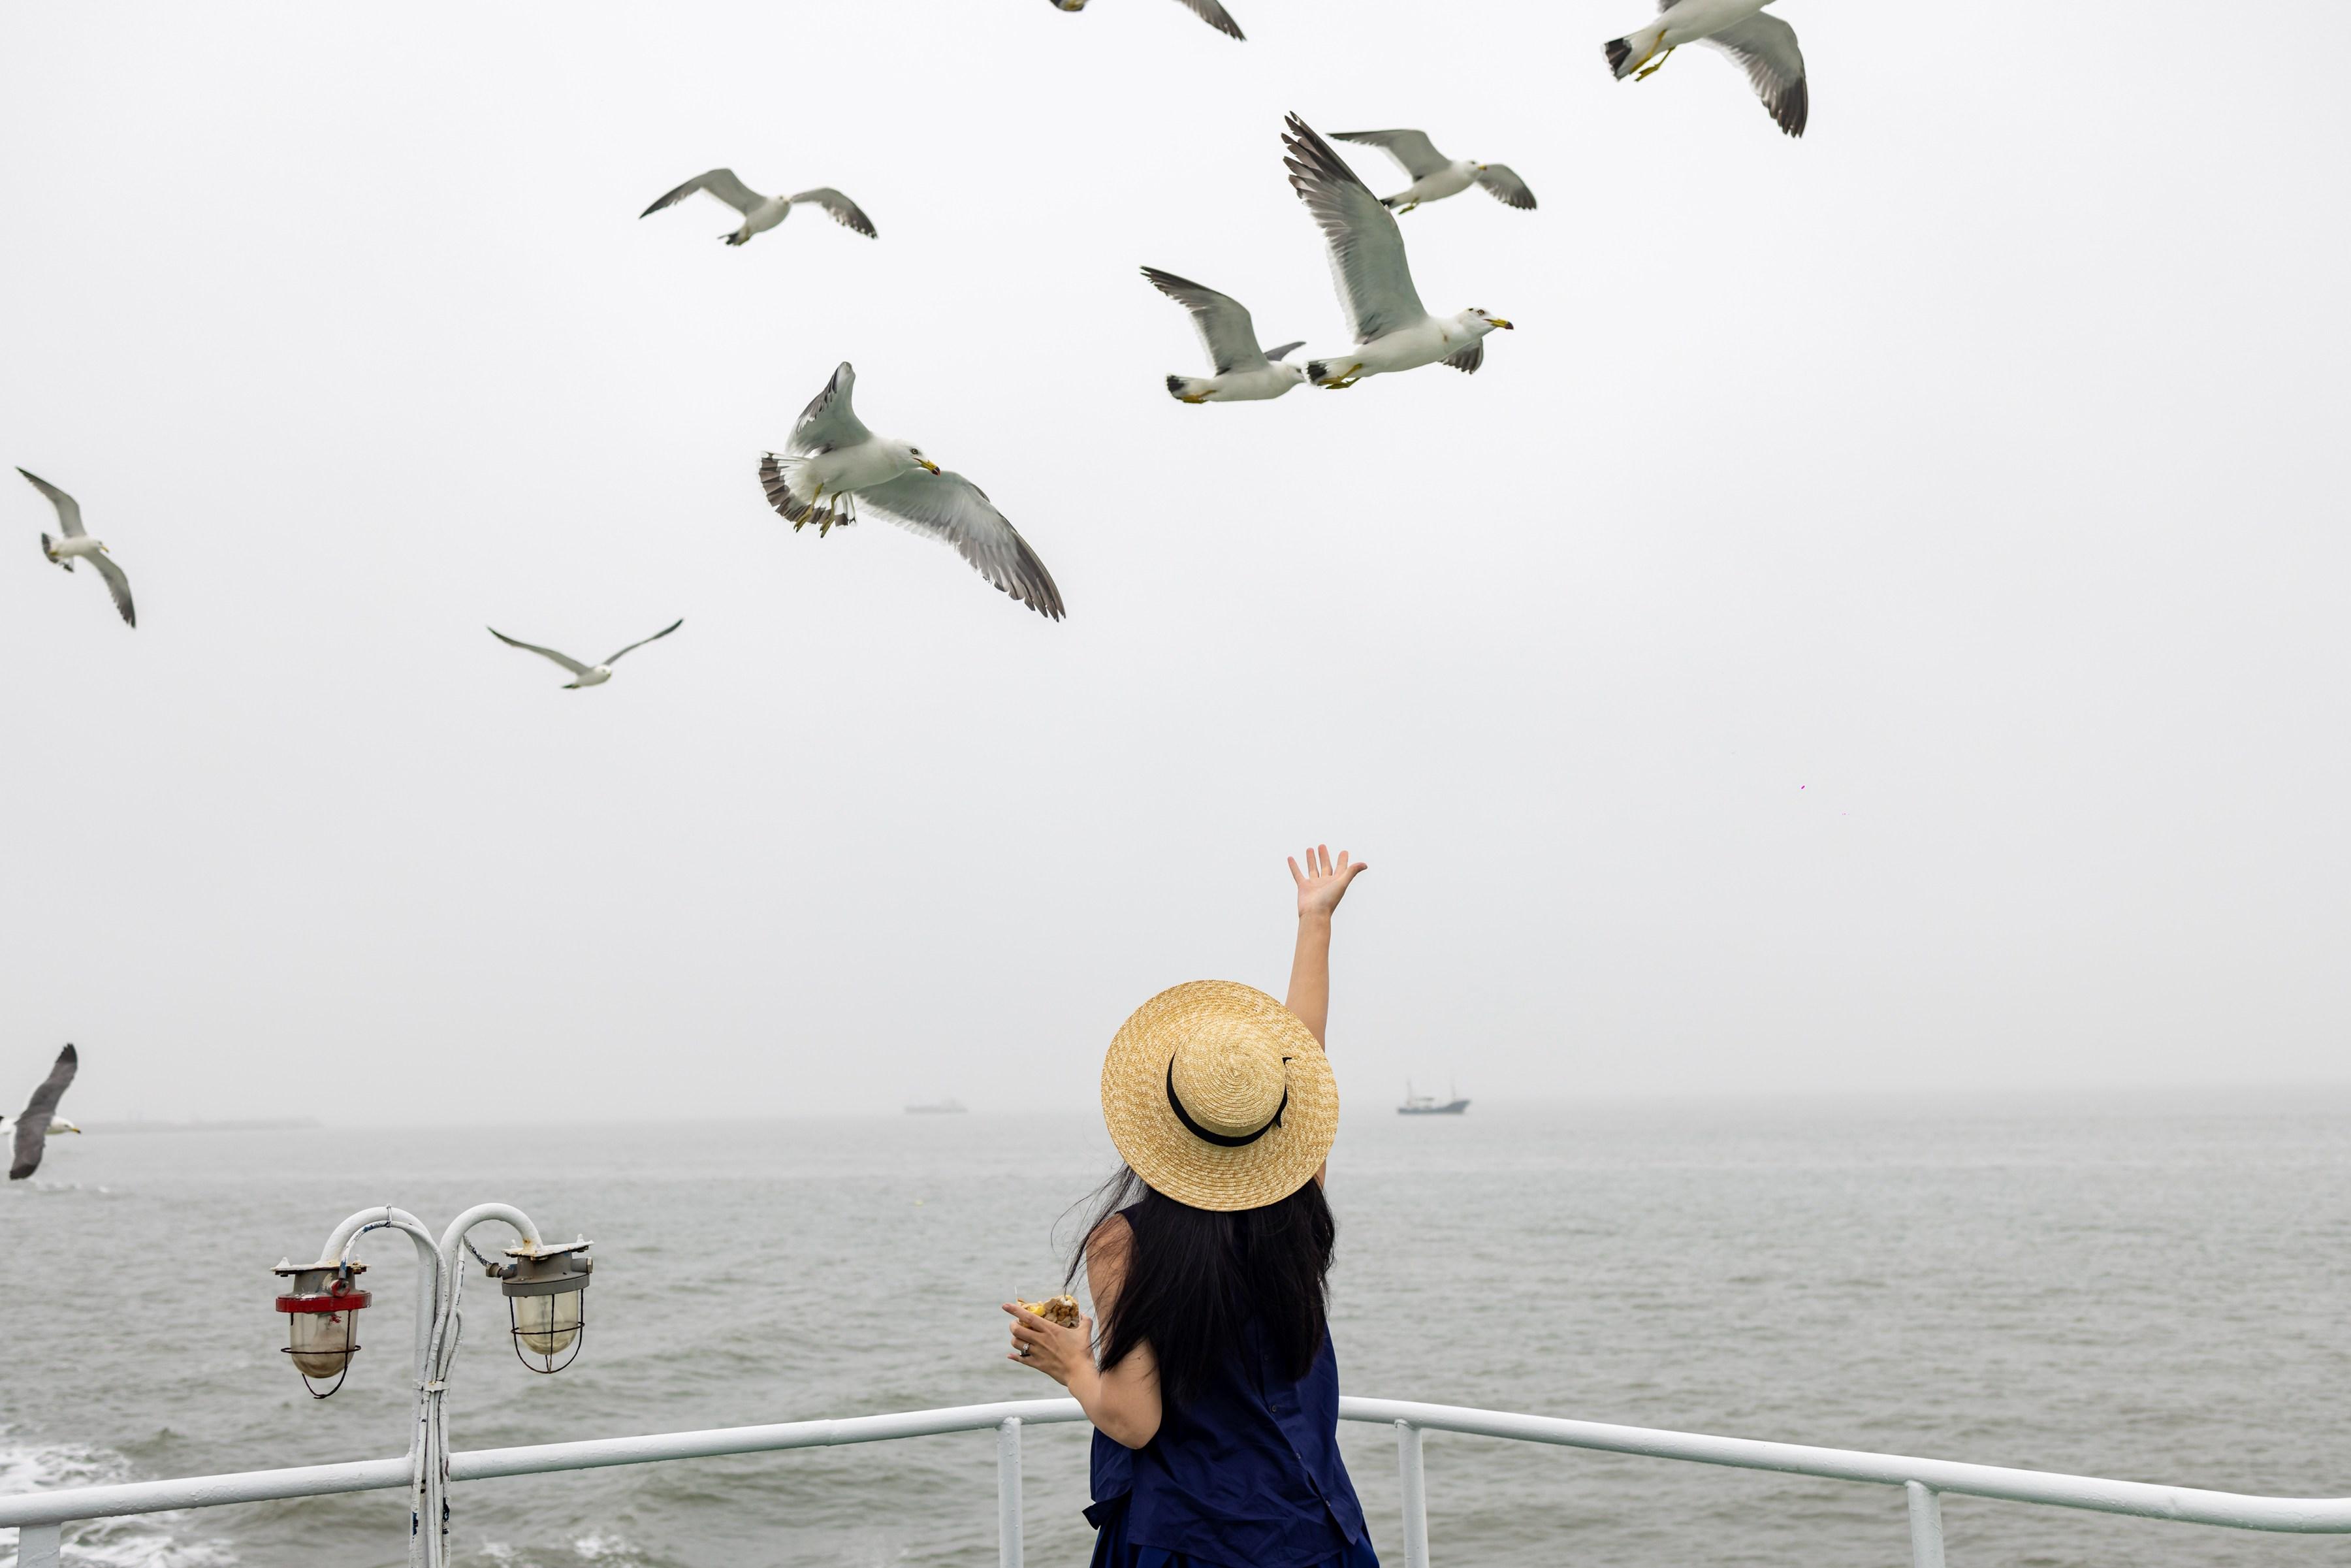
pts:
pixel 585 675
pixel 1394 331
pixel 1764 46
pixel 41 1118
pixel 833 468
pixel 1244 373
pixel 1209 11
pixel 760 213
pixel 78 545
pixel 1434 176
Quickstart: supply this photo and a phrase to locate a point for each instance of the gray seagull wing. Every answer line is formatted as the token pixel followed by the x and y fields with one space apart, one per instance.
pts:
pixel 721 184
pixel 1214 14
pixel 33 1126
pixel 1765 47
pixel 568 663
pixel 1222 321
pixel 642 641
pixel 951 507
pixel 845 213
pixel 1282 352
pixel 829 422
pixel 119 585
pixel 1502 183
pixel 1367 258
pixel 69 509
pixel 1412 149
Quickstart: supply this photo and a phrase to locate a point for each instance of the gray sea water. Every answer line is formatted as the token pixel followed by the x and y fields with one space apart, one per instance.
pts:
pixel 2157 1290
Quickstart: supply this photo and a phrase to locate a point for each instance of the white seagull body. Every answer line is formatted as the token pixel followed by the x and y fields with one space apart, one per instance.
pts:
pixel 1394 331
pixel 1764 46
pixel 833 468
pixel 1434 176
pixel 1209 11
pixel 1244 373
pixel 760 213
pixel 584 675
pixel 40 1117
pixel 78 545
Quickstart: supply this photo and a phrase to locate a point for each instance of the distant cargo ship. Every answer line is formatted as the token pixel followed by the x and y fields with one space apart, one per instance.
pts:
pixel 1429 1106
pixel 949 1107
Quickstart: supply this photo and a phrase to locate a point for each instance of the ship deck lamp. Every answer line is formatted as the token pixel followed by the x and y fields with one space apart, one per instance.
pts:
pixel 322 1307
pixel 545 1289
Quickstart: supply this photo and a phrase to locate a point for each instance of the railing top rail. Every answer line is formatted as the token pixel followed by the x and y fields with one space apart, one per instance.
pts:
pixel 481 1464
pixel 2184 1504
pixel 2188 1505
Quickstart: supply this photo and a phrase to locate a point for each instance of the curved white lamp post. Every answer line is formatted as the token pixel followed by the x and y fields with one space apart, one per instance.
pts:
pixel 543 1285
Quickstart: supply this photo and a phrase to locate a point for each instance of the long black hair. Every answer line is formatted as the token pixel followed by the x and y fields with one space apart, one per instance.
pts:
pixel 1196 1276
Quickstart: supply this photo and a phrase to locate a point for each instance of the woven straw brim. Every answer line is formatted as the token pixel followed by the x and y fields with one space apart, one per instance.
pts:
pixel 1165 1154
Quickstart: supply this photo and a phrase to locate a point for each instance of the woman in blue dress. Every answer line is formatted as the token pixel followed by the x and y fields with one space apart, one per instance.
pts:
pixel 1211 1384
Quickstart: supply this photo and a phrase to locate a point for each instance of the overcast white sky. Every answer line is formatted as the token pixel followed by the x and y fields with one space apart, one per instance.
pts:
pixel 1878 623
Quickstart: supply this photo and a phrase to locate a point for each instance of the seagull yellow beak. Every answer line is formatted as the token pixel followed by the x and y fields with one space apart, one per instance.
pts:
pixel 928 464
pixel 1505 326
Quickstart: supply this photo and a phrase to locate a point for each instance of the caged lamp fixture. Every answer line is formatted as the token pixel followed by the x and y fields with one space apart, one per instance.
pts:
pixel 544 1288
pixel 322 1311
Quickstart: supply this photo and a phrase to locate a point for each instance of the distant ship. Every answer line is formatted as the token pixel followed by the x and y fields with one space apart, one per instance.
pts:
pixel 1429 1104
pixel 947 1107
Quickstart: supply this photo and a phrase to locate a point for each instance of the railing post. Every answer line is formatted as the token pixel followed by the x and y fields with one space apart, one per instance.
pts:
pixel 1926 1525
pixel 1008 1492
pixel 37 1546
pixel 1415 1495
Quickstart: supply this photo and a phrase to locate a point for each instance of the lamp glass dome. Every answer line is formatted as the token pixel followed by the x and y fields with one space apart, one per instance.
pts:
pixel 546 1325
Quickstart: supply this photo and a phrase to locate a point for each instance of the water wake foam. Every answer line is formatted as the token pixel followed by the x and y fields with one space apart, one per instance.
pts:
pixel 139 1541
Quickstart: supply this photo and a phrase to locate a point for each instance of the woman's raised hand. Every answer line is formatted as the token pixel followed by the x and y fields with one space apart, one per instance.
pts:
pixel 1323 884
pixel 1057 1352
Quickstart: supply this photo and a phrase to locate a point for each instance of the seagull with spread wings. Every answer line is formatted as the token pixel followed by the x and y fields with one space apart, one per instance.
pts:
pixel 1434 176
pixel 1243 372
pixel 1764 46
pixel 760 213
pixel 1394 330
pixel 78 545
pixel 1209 11
pixel 833 468
pixel 39 1118
pixel 585 675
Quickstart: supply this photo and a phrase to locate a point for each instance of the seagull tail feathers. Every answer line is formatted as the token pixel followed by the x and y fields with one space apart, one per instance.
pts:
pixel 777 473
pixel 1188 389
pixel 1630 52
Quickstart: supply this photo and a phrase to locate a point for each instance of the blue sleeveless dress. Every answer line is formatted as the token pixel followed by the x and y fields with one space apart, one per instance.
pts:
pixel 1246 1475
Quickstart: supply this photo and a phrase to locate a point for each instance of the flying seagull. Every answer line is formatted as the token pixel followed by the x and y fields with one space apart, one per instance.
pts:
pixel 586 675
pixel 833 468
pixel 78 545
pixel 1434 176
pixel 1209 11
pixel 39 1117
pixel 760 213
pixel 1394 331
pixel 1244 373
pixel 1764 46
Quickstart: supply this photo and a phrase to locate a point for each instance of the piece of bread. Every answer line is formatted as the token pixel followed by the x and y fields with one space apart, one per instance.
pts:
pixel 1061 1310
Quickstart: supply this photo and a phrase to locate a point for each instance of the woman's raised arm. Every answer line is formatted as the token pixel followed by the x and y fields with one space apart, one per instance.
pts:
pixel 1320 886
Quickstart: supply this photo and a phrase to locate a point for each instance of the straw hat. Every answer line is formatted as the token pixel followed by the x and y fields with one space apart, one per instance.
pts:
pixel 1218 1097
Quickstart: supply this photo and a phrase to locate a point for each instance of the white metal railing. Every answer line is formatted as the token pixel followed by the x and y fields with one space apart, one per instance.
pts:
pixel 39 1516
